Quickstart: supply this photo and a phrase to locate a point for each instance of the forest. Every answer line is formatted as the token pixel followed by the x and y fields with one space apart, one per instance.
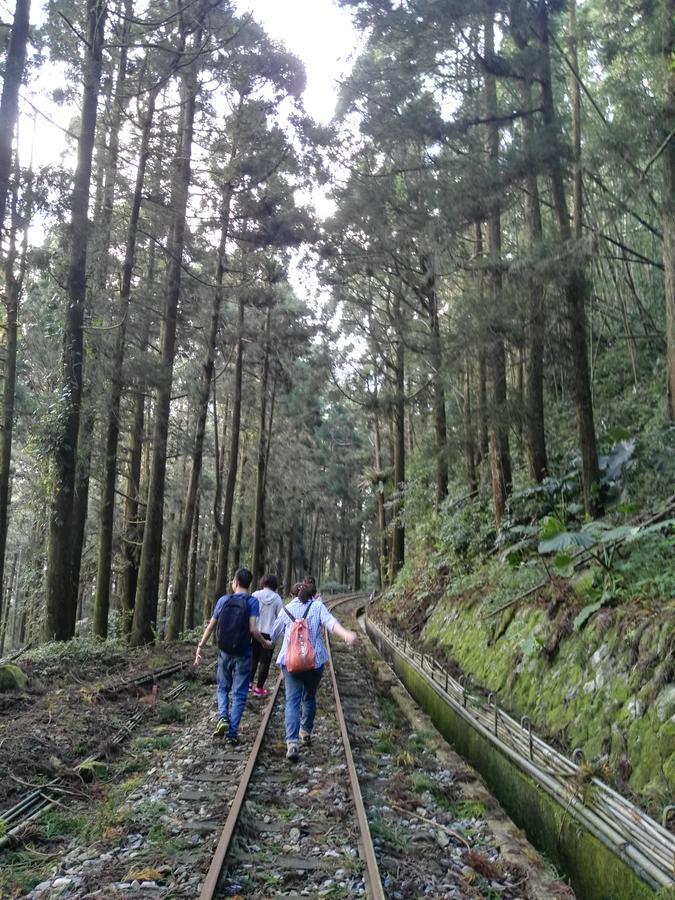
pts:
pixel 471 357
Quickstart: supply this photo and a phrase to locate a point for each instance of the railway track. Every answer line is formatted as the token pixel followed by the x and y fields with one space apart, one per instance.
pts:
pixel 336 817
pixel 370 809
pixel 396 815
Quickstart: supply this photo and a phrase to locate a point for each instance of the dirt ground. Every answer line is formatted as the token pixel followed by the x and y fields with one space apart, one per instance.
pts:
pixel 75 703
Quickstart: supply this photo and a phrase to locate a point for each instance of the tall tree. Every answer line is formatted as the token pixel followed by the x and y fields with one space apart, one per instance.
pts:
pixel 668 206
pixel 61 605
pixel 102 599
pixel 574 284
pixel 145 610
pixel 499 422
pixel 9 99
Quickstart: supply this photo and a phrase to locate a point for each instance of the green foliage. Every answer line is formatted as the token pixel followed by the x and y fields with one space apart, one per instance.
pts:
pixel 55 823
pixel 169 712
pixel 21 870
pixel 380 828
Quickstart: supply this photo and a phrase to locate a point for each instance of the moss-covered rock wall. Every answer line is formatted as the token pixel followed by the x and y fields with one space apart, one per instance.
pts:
pixel 607 688
pixel 595 871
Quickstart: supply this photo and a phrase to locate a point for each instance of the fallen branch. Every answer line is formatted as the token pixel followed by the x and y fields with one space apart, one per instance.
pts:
pixel 450 831
pixel 16 654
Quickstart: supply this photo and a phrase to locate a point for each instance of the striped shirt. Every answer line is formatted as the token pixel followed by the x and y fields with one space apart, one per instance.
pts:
pixel 317 617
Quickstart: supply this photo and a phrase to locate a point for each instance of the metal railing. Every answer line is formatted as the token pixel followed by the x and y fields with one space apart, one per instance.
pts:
pixel 644 844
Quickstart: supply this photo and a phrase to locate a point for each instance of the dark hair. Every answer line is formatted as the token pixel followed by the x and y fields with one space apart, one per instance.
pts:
pixel 310 579
pixel 306 593
pixel 243 577
pixel 269 581
pixel 295 590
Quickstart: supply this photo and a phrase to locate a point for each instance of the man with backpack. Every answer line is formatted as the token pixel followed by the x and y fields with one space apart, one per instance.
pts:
pixel 236 617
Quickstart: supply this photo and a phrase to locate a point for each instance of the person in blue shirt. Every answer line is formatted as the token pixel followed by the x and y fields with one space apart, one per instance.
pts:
pixel 233 668
pixel 301 687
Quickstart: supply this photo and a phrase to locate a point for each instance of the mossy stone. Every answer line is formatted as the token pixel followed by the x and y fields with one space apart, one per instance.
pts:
pixel 12 678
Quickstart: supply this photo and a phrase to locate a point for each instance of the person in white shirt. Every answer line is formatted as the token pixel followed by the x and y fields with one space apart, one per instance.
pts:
pixel 270 604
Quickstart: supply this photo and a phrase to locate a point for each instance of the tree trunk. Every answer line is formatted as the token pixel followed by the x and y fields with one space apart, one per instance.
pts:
pixel 8 590
pixel 288 574
pixel 536 325
pixel 165 581
pixel 102 601
pixel 186 527
pixel 500 456
pixel 145 612
pixel 312 546
pixel 9 100
pixel 398 537
pixel 13 286
pixel 383 550
pixel 225 526
pixel 436 358
pixel 483 436
pixel 469 444
pixel 575 94
pixel 192 574
pixel 262 456
pixel 668 210
pixel 575 290
pixel 357 548
pixel 212 568
pixel 61 610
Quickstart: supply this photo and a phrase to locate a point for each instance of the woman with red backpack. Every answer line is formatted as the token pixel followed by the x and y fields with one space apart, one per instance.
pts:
pixel 302 657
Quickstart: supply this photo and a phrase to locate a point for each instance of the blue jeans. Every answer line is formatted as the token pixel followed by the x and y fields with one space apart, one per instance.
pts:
pixel 232 674
pixel 300 688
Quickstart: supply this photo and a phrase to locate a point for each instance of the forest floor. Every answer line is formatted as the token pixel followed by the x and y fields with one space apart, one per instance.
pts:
pixel 75 703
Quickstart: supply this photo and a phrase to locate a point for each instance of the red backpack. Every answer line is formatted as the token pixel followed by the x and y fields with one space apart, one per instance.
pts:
pixel 300 654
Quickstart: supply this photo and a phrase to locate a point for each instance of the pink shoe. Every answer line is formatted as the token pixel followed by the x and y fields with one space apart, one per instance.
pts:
pixel 260 692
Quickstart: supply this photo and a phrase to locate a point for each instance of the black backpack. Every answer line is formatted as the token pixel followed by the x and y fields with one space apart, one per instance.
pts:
pixel 233 631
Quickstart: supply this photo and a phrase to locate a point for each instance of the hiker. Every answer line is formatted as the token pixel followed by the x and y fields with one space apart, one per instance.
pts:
pixel 311 581
pixel 301 687
pixel 271 605
pixel 236 616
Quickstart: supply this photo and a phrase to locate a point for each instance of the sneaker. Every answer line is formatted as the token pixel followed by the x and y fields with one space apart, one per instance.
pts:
pixel 232 739
pixel 305 738
pixel 292 751
pixel 222 725
pixel 263 692
pixel 250 685
pixel 258 692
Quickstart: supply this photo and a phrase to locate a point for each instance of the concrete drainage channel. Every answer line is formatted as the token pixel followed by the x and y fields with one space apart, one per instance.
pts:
pixel 610 850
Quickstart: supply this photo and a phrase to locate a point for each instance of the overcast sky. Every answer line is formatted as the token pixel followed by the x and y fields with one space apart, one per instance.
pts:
pixel 320 33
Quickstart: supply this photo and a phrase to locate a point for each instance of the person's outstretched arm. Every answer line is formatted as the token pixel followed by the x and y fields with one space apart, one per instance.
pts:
pixel 349 637
pixel 204 638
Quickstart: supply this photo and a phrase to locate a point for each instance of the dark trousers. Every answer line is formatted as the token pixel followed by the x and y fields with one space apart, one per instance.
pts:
pixel 262 657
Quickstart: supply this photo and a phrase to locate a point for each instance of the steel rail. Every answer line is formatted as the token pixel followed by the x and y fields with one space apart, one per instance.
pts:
pixel 210 885
pixel 622 827
pixel 142 679
pixel 374 883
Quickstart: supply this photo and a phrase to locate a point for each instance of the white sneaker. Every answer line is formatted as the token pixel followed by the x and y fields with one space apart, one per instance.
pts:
pixel 305 738
pixel 292 750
